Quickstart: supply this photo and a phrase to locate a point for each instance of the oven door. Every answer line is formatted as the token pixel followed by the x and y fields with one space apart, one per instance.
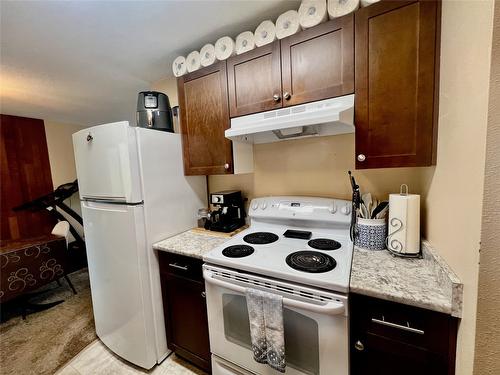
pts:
pixel 315 322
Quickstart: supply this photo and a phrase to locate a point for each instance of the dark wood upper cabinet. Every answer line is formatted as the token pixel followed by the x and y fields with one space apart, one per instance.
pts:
pixel 318 63
pixel 254 80
pixel 397 75
pixel 204 118
pixel 312 65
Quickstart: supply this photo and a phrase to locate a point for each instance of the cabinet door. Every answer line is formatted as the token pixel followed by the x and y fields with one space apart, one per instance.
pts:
pixel 254 80
pixel 318 63
pixel 204 118
pixel 186 319
pixel 380 355
pixel 397 54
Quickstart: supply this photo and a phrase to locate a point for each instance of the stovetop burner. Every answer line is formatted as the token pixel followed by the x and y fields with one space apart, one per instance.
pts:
pixel 324 244
pixel 311 261
pixel 237 251
pixel 260 238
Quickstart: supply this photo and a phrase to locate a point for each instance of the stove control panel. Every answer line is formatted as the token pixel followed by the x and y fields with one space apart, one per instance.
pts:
pixel 301 208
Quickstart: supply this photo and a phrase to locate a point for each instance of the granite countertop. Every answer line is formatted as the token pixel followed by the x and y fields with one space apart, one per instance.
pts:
pixel 428 282
pixel 190 243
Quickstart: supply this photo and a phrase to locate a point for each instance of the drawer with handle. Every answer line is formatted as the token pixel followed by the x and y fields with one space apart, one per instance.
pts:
pixel 415 326
pixel 181 265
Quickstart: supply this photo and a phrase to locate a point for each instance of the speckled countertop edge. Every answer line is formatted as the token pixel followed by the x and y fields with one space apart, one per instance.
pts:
pixel 427 283
pixel 447 275
pixel 190 244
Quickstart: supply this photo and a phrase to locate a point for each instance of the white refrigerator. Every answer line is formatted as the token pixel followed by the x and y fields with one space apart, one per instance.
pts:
pixel 133 193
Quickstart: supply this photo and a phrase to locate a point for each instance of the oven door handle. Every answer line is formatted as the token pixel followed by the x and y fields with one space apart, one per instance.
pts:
pixel 330 308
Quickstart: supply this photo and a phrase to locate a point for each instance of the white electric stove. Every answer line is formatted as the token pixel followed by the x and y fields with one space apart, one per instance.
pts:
pixel 299 248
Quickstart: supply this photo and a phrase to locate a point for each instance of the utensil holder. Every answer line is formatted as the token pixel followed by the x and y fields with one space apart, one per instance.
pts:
pixel 371 234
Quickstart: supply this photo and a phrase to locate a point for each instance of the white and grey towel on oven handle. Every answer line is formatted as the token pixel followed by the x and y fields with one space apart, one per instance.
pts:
pixel 265 312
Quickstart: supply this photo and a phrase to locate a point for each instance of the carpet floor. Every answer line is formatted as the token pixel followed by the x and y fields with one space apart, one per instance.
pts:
pixel 47 340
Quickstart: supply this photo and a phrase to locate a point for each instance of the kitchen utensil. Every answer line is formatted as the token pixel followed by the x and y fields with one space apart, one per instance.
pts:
pixel 383 214
pixel 376 202
pixel 379 209
pixel 355 205
pixel 367 200
pixel 364 211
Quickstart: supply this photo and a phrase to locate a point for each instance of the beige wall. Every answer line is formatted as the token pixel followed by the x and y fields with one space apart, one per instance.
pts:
pixel 452 192
pixel 455 195
pixel 62 160
pixel 317 167
pixel 60 145
pixel 487 358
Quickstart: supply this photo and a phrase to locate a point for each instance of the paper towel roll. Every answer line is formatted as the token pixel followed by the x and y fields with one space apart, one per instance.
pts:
pixel 193 61
pixel 265 33
pixel 365 3
pixel 287 24
pixel 339 8
pixel 312 13
pixel 245 42
pixel 207 55
pixel 179 66
pixel 224 48
pixel 404 223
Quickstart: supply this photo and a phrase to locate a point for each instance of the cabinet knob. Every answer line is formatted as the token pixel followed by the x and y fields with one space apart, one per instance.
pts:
pixel 226 166
pixel 361 157
pixel 276 97
pixel 359 346
pixel 90 138
pixel 203 294
pixel 287 95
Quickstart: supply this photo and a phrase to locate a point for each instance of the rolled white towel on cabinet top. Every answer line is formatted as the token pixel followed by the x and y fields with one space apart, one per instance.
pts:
pixel 207 55
pixel 245 42
pixel 193 61
pixel 265 33
pixel 224 48
pixel 287 24
pixel 339 8
pixel 312 13
pixel 365 3
pixel 179 66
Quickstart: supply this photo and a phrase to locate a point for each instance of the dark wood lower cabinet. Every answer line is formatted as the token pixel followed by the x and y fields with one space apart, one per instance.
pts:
pixel 393 339
pixel 185 309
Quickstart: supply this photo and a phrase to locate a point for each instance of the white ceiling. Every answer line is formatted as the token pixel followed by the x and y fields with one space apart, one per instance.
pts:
pixel 83 62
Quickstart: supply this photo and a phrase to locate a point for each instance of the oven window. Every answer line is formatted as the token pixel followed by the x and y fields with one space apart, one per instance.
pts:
pixel 301 333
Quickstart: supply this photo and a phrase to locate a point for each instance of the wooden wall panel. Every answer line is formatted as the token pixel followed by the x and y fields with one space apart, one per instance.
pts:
pixel 25 175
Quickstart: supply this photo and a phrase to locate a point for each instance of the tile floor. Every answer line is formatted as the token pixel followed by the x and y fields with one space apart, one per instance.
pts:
pixel 96 359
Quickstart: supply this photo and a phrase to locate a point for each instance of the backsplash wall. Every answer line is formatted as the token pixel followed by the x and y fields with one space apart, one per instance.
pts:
pixel 318 166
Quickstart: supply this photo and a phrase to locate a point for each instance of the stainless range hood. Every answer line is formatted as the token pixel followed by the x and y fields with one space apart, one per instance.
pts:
pixel 321 118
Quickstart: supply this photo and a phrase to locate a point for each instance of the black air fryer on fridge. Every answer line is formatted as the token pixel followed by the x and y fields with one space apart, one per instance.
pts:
pixel 154 112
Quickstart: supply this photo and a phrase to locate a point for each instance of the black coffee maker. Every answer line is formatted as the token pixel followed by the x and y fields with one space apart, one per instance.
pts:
pixel 229 213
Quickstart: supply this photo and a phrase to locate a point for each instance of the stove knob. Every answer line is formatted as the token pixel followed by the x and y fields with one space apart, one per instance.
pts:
pixel 255 206
pixel 333 209
pixel 346 210
pixel 263 205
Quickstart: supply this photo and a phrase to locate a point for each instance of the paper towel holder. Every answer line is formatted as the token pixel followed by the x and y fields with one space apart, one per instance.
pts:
pixel 406 190
pixel 397 224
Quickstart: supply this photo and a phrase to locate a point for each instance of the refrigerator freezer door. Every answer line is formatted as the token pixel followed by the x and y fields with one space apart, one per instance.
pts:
pixel 119 280
pixel 107 163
